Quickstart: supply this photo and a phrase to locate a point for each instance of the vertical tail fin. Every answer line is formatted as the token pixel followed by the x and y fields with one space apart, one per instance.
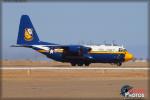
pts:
pixel 27 34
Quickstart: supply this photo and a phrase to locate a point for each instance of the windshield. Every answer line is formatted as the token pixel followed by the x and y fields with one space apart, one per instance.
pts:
pixel 122 50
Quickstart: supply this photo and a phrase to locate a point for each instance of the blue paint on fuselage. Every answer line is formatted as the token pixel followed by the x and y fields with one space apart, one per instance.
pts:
pixel 108 57
pixel 55 56
pixel 99 57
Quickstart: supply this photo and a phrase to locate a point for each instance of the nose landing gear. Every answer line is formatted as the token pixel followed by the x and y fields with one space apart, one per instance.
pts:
pixel 119 63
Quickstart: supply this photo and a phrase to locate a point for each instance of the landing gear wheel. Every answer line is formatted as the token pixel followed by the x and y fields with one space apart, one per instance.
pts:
pixel 73 64
pixel 119 64
pixel 80 64
pixel 87 64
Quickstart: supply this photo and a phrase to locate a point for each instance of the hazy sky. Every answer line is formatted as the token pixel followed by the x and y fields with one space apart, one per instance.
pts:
pixel 76 22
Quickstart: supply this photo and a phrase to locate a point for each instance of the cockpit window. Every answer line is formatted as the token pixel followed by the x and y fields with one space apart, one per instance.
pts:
pixel 125 50
pixel 122 50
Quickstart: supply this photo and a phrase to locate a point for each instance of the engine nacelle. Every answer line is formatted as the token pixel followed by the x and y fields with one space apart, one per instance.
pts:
pixel 77 52
pixel 74 49
pixel 79 49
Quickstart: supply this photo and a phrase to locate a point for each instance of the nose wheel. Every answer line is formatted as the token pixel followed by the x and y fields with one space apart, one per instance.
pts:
pixel 119 63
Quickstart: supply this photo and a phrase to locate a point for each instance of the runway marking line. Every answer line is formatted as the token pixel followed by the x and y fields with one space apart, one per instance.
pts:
pixel 66 68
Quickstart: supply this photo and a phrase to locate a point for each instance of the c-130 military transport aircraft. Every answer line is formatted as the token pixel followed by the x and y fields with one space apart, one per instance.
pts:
pixel 75 54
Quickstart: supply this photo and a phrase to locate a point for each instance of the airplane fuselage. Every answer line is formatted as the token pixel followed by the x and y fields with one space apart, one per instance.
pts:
pixel 97 54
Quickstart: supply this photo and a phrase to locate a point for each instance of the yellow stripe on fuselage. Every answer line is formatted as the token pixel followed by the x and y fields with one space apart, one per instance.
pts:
pixel 58 50
pixel 105 52
pixel 91 52
pixel 42 50
pixel 96 52
pixel 55 50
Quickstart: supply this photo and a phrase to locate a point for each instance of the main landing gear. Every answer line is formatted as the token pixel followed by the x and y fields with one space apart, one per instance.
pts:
pixel 80 64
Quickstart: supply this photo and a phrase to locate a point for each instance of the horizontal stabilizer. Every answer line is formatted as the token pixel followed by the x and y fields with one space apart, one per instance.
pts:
pixel 20 46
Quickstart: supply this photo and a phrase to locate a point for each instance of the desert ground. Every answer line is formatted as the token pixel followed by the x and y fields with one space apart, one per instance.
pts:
pixel 73 83
pixel 18 63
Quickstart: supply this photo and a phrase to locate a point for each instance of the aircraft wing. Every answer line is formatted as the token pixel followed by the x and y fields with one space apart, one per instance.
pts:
pixel 74 51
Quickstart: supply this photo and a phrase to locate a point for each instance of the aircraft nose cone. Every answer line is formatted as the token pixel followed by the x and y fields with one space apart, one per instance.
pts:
pixel 128 56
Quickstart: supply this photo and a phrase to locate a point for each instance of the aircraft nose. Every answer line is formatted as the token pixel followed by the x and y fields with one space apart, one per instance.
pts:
pixel 128 56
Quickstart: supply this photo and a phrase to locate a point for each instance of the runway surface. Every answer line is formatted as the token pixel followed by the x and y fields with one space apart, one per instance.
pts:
pixel 72 68
pixel 71 82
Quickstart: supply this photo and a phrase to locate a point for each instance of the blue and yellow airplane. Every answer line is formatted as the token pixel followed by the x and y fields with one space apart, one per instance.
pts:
pixel 75 54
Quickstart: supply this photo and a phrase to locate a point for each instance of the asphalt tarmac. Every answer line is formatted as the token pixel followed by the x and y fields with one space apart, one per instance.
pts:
pixel 61 82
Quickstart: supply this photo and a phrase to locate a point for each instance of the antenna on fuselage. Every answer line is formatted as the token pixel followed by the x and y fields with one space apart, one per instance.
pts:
pixel 114 44
pixel 105 43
